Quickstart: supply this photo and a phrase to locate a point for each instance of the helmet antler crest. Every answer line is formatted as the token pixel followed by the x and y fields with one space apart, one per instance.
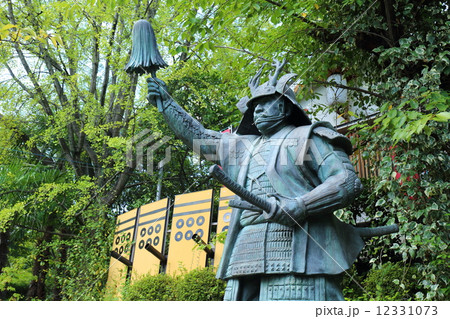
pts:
pixel 254 81
pixel 278 67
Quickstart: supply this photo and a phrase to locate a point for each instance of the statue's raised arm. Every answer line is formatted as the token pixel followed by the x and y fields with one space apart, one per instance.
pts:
pixel 185 127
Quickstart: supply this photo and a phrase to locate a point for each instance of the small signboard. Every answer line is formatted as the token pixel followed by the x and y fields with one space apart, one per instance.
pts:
pixel 191 215
pixel 122 245
pixel 151 230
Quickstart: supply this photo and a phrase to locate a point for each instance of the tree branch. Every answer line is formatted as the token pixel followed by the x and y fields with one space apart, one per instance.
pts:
pixel 43 54
pixel 92 155
pixel 17 80
pixel 16 191
pixel 46 232
pixel 242 50
pixel 95 60
pixel 325 83
pixel 125 98
pixel 43 101
pixel 68 149
pixel 46 160
pixel 110 198
pixel 91 200
pixel 107 67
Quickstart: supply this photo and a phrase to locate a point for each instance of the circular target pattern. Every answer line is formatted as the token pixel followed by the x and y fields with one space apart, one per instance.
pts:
pixel 188 235
pixel 225 228
pixel 148 242
pixel 121 250
pixel 199 232
pixel 122 238
pixel 158 228
pixel 143 231
pixel 190 222
pixel 141 244
pixel 156 241
pixel 150 230
pixel 180 223
pixel 128 236
pixel 179 236
pixel 117 240
pixel 200 220
pixel 226 217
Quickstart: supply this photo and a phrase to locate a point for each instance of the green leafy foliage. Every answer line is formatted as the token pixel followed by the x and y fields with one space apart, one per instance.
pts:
pixel 15 279
pixel 392 282
pixel 388 281
pixel 196 285
pixel 200 284
pixel 411 191
pixel 64 122
pixel 151 288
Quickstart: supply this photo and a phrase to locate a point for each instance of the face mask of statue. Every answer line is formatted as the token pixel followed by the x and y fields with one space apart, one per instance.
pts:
pixel 270 114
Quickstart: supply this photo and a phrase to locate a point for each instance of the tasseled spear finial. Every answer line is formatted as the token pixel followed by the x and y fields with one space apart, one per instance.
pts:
pixel 145 57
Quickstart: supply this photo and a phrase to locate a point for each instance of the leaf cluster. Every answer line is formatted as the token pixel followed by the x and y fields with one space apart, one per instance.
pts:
pixel 195 285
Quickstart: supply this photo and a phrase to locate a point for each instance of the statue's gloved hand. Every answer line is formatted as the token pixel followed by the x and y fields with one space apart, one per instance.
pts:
pixel 290 211
pixel 157 89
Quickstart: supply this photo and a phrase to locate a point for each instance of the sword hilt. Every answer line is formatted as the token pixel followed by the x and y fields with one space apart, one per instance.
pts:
pixel 242 204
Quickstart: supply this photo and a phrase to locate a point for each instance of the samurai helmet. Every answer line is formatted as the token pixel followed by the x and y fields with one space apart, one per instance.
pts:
pixel 274 87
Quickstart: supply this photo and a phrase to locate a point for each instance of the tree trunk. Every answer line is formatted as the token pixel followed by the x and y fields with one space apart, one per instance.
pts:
pixel 4 249
pixel 37 286
pixel 57 291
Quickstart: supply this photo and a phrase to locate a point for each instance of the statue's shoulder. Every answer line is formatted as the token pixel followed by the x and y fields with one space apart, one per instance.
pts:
pixel 328 132
pixel 323 129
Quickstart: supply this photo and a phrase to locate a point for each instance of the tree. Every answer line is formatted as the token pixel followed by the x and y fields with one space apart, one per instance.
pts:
pixel 70 109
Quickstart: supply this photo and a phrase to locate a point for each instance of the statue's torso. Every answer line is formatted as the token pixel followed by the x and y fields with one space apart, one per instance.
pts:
pixel 261 247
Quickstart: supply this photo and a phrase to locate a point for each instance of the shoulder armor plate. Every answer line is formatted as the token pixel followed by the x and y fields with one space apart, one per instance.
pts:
pixel 335 138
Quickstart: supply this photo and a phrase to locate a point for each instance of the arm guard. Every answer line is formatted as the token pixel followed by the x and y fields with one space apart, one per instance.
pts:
pixel 340 184
pixel 189 130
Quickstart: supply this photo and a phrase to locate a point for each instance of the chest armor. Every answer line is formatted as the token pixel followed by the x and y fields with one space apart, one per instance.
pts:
pixel 264 247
